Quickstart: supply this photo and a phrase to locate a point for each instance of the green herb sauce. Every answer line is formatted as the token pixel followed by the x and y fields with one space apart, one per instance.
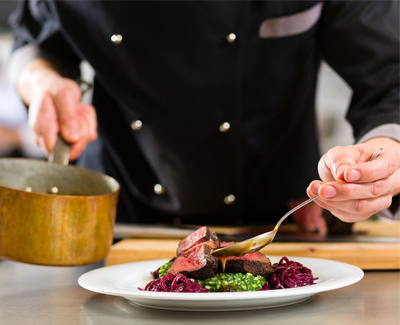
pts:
pixel 233 282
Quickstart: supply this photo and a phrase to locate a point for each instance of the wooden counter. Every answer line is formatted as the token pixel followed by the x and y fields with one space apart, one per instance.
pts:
pixel 368 254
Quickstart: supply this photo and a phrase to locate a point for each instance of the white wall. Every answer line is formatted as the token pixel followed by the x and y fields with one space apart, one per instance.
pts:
pixel 332 100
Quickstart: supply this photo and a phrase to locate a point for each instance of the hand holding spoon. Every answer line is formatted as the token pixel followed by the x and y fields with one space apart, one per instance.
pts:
pixel 254 244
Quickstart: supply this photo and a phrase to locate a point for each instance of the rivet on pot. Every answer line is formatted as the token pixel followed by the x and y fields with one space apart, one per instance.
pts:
pixel 54 190
pixel 28 189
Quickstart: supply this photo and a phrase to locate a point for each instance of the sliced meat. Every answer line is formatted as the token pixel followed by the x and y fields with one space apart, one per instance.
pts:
pixel 196 263
pixel 201 235
pixel 254 263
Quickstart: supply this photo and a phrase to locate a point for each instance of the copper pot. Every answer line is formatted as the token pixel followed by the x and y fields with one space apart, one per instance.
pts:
pixel 53 214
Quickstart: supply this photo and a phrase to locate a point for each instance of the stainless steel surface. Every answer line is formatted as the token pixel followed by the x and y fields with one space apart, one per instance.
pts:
pixel 254 244
pixel 60 153
pixel 150 231
pixel 34 295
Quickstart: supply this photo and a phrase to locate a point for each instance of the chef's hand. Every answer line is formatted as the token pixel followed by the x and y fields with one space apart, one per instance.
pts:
pixel 55 107
pixel 309 218
pixel 354 189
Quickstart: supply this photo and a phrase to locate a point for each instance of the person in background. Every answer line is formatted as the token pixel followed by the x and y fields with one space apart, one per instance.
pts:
pixel 16 138
pixel 204 111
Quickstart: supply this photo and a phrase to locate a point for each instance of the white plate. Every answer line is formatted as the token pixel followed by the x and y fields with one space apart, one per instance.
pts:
pixel 125 279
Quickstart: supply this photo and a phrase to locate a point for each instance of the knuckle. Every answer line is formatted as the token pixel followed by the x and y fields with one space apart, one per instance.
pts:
pixel 63 92
pixel 66 87
pixel 377 188
pixel 387 202
pixel 335 149
pixel 392 167
pixel 334 153
pixel 361 206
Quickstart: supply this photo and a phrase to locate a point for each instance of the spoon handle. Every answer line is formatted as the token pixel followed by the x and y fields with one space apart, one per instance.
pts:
pixel 295 209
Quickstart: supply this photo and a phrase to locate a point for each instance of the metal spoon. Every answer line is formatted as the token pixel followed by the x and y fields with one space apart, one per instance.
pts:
pixel 254 244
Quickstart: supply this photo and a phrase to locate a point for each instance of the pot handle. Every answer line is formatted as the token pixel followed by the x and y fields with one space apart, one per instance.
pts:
pixel 60 153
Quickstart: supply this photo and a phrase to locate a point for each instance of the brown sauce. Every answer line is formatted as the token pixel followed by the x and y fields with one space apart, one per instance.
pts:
pixel 223 262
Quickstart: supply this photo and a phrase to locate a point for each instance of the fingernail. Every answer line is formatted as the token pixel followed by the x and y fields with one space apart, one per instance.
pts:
pixel 315 187
pixel 353 175
pixel 328 191
pixel 341 169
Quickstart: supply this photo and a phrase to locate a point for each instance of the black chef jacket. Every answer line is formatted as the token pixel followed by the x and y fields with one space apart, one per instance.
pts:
pixel 206 109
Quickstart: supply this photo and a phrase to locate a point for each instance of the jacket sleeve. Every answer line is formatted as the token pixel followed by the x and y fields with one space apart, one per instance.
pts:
pixel 38 34
pixel 360 41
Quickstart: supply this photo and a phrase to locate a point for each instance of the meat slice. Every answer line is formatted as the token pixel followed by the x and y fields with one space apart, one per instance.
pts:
pixel 201 235
pixel 254 263
pixel 196 263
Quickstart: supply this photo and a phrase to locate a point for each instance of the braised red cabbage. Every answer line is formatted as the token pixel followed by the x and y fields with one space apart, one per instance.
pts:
pixel 289 274
pixel 174 283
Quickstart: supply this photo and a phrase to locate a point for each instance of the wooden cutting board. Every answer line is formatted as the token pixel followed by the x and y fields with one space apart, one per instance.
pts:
pixel 367 255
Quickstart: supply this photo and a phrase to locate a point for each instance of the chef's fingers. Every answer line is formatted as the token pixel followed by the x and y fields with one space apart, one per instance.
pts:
pixel 356 210
pixel 77 148
pixel 88 129
pixel 382 167
pixel 352 163
pixel 333 164
pixel 351 207
pixel 303 217
pixel 67 96
pixel 343 191
pixel 320 222
pixel 309 218
pixel 87 122
pixel 88 113
pixel 43 121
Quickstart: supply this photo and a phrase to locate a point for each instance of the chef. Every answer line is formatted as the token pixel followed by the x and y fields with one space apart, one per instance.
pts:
pixel 204 111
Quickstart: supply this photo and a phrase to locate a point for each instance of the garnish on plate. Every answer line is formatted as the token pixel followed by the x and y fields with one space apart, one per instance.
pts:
pixel 194 269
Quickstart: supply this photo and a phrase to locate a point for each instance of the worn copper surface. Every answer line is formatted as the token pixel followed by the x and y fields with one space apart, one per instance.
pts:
pixel 72 227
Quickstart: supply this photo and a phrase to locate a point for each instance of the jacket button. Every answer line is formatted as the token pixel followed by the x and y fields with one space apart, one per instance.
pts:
pixel 159 189
pixel 231 37
pixel 224 127
pixel 136 125
pixel 116 39
pixel 229 199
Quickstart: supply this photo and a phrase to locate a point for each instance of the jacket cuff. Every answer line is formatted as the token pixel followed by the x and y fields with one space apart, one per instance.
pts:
pixel 392 131
pixel 27 53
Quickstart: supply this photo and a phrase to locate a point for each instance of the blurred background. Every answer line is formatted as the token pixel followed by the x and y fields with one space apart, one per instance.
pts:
pixel 333 97
pixel 15 136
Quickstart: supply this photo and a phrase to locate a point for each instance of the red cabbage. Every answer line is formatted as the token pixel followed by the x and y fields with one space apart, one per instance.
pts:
pixel 174 283
pixel 289 274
